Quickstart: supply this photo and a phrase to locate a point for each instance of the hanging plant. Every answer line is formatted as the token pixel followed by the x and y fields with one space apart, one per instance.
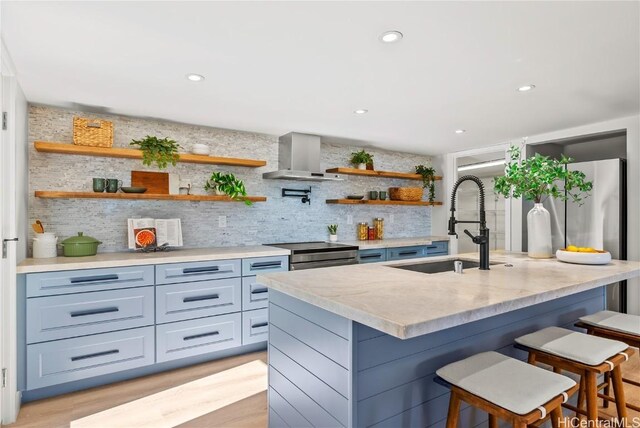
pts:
pixel 428 174
pixel 227 184
pixel 540 177
pixel 161 151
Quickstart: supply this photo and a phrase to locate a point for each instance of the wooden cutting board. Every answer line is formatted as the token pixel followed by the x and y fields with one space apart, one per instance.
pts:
pixel 155 182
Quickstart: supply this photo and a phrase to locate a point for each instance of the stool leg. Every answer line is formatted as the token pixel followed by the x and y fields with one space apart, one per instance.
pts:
pixel 556 417
pixel 591 391
pixel 454 409
pixel 618 390
pixel 532 358
pixel 581 395
pixel 607 389
pixel 493 421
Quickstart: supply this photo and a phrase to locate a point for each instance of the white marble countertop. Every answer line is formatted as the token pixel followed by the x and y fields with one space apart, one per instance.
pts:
pixel 407 304
pixel 396 242
pixel 131 258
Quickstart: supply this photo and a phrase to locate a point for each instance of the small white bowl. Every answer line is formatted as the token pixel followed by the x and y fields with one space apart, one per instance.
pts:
pixel 200 149
pixel 584 258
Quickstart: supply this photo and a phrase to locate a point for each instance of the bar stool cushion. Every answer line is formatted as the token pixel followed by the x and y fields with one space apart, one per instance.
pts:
pixel 506 382
pixel 580 347
pixel 610 320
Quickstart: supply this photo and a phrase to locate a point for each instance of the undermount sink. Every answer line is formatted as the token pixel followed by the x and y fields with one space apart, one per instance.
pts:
pixel 439 266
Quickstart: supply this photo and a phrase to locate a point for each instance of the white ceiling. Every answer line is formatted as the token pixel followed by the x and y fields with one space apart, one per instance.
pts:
pixel 275 67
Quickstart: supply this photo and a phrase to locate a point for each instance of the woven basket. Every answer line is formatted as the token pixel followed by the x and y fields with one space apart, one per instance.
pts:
pixel 92 132
pixel 405 193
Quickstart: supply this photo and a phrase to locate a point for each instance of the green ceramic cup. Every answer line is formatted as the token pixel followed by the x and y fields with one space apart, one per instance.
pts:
pixel 373 195
pixel 99 184
pixel 382 195
pixel 113 184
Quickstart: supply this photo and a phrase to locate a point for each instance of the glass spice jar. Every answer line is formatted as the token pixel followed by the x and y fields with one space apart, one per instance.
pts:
pixel 378 224
pixel 363 231
pixel 372 233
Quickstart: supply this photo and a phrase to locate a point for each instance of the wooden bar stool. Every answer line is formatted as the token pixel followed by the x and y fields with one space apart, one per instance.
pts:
pixel 614 326
pixel 585 355
pixel 505 388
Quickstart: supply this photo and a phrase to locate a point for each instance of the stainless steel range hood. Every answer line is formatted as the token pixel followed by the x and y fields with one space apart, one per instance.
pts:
pixel 299 159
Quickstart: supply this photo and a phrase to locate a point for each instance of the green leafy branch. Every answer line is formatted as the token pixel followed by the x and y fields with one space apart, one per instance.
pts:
pixel 428 174
pixel 228 184
pixel 539 177
pixel 161 151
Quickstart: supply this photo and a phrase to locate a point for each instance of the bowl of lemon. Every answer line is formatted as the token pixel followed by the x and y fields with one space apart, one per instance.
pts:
pixel 583 255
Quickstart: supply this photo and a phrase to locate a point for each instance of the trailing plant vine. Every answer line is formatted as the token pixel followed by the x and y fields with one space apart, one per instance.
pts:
pixel 539 177
pixel 161 151
pixel 428 174
pixel 228 184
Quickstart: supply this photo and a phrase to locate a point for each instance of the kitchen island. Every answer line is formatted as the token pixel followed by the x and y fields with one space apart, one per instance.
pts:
pixel 359 345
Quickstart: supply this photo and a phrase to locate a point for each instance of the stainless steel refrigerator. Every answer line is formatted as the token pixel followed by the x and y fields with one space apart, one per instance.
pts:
pixel 601 222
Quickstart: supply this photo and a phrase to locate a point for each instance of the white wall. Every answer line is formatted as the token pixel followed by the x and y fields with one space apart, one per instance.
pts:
pixel 632 126
pixel 22 172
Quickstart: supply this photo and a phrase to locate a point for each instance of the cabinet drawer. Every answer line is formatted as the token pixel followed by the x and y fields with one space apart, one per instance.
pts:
pixel 259 265
pixel 372 256
pixel 197 271
pixel 439 248
pixel 406 253
pixel 68 360
pixel 178 302
pixel 255 326
pixel 194 337
pixel 254 294
pixel 79 281
pixel 59 317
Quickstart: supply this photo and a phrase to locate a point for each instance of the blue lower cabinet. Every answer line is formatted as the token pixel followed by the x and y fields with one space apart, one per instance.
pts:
pixel 404 253
pixel 254 294
pixel 200 336
pixel 197 271
pixel 262 265
pixel 439 248
pixel 72 315
pixel 372 256
pixel 178 302
pixel 67 360
pixel 255 326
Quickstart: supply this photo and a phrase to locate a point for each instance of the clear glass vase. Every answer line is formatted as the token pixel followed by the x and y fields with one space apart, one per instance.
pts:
pixel 539 233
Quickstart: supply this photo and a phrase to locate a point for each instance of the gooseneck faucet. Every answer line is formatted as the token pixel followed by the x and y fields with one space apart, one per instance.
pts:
pixel 483 238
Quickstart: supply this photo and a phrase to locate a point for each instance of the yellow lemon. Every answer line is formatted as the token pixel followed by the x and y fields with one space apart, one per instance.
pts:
pixel 572 248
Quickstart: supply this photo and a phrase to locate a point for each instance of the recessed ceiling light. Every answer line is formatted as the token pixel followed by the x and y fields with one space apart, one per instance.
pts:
pixel 361 111
pixel 391 36
pixel 526 88
pixel 195 77
pixel 460 131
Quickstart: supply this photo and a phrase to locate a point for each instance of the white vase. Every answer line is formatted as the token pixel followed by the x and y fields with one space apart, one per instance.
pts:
pixel 333 238
pixel 539 233
pixel 362 166
pixel 218 192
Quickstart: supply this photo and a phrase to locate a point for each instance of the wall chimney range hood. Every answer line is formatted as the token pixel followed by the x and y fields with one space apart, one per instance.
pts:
pixel 299 159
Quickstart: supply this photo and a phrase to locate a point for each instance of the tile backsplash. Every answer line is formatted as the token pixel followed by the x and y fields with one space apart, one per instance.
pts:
pixel 277 220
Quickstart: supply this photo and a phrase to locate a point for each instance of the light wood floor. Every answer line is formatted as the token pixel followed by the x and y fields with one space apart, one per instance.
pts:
pixel 59 412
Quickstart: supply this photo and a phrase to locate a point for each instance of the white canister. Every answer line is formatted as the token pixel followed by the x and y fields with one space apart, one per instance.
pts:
pixel 45 245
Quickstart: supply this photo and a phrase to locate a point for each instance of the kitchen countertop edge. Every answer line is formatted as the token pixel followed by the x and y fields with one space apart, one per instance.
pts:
pixel 395 242
pixel 120 259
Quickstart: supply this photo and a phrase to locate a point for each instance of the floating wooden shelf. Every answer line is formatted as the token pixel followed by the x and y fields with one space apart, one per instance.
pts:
pixel 140 196
pixel 121 152
pixel 377 202
pixel 373 173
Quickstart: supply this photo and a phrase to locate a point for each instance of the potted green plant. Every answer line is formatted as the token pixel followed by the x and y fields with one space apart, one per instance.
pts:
pixel 361 159
pixel 536 179
pixel 227 184
pixel 428 174
pixel 161 151
pixel 333 232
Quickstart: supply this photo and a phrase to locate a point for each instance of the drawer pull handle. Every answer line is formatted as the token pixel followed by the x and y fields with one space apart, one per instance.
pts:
pixel 265 265
pixel 260 290
pixel 96 278
pixel 97 354
pixel 198 336
pixel 205 269
pixel 431 247
pixel 200 298
pixel 371 256
pixel 407 253
pixel 262 324
pixel 94 312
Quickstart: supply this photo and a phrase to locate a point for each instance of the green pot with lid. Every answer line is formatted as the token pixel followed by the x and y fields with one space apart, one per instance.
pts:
pixel 80 246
